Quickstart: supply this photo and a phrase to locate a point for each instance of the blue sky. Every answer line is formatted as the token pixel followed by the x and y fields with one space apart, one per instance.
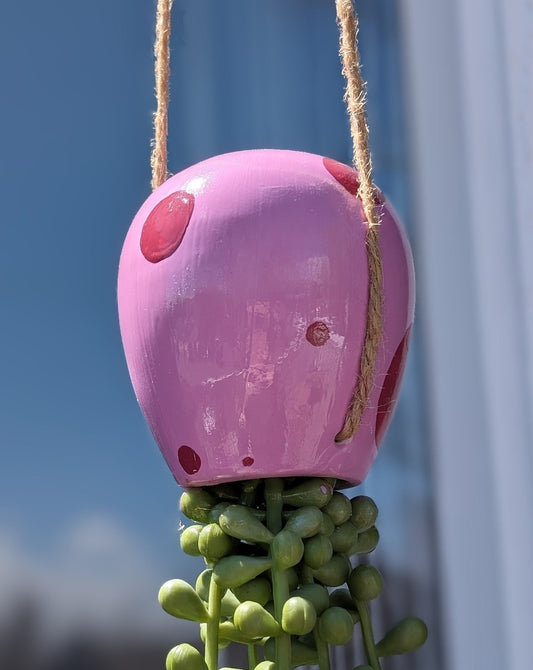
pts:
pixel 75 131
pixel 75 127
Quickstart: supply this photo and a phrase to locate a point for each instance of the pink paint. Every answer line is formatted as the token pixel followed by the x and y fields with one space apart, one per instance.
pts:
pixel 216 334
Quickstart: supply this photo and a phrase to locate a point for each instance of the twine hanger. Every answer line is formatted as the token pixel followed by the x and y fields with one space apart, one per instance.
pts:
pixel 159 159
pixel 355 98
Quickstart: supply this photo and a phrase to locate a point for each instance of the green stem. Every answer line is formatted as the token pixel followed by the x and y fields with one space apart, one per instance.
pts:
pixel 211 635
pixel 249 491
pixel 280 583
pixel 322 650
pixel 274 504
pixel 321 645
pixel 307 575
pixel 252 656
pixel 368 634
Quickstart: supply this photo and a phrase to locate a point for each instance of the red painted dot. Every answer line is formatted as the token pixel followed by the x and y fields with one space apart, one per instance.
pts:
pixel 347 177
pixel 189 460
pixel 391 387
pixel 165 226
pixel 247 461
pixel 344 174
pixel 317 334
pixel 379 198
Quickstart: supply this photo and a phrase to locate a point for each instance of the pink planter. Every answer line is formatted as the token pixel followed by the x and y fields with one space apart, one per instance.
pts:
pixel 242 297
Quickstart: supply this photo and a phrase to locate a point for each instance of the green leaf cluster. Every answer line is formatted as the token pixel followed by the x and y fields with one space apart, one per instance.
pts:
pixel 274 555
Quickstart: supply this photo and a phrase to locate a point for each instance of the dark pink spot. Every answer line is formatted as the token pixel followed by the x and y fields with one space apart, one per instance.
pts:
pixel 317 334
pixel 247 461
pixel 344 174
pixel 347 177
pixel 391 387
pixel 189 460
pixel 165 226
pixel 379 198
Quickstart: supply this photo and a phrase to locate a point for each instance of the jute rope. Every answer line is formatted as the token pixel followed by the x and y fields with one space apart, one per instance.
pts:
pixel 355 97
pixel 159 158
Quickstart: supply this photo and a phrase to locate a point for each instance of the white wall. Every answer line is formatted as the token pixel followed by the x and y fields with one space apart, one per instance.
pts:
pixel 470 71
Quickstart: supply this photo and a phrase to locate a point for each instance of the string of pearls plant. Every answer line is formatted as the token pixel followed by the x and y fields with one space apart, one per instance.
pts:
pixel 279 576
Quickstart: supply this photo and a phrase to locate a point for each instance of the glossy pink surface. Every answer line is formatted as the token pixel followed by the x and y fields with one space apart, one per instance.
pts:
pixel 243 343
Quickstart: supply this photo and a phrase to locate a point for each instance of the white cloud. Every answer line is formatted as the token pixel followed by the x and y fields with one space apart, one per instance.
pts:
pixel 100 580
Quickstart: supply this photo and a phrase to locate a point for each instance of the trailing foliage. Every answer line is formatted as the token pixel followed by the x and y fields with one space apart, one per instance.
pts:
pixel 273 549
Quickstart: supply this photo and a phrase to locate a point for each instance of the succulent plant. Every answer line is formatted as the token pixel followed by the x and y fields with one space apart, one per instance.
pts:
pixel 272 558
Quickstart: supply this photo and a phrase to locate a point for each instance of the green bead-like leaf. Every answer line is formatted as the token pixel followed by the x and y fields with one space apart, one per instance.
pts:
pixel 409 634
pixel 254 621
pixel 317 551
pixel 222 643
pixel 226 491
pixel 342 598
pixel 317 595
pixel 240 522
pixel 287 550
pixel 180 600
pixel 365 582
pixel 301 654
pixel 185 657
pixel 269 606
pixel 189 540
pixel 335 626
pixel 334 572
pixel 233 571
pixel 213 543
pixel 228 631
pixel 305 521
pixel 327 526
pixel 216 511
pixel 309 492
pixel 228 604
pixel 364 513
pixel 366 542
pixel 270 650
pixel 202 584
pixel 196 504
pixel 259 590
pixel 266 665
pixel 298 616
pixel 339 508
pixel 343 537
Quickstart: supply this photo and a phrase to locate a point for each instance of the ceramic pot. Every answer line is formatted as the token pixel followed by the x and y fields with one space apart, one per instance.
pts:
pixel 242 294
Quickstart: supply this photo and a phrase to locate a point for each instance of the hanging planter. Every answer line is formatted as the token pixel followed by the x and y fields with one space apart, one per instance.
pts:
pixel 243 292
pixel 266 300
